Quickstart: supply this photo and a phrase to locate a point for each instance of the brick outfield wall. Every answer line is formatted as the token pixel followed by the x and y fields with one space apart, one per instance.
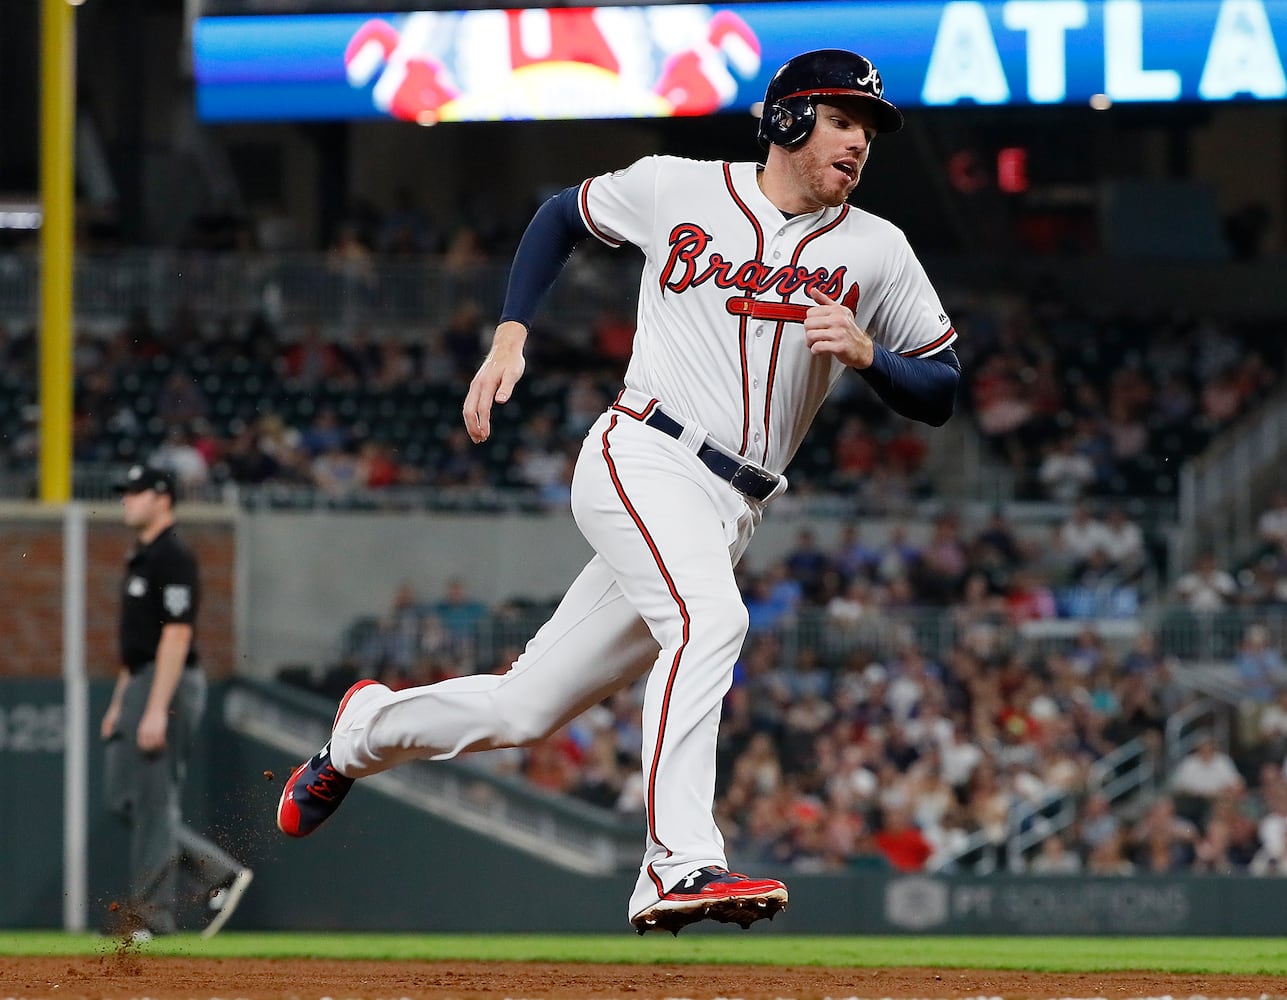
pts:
pixel 31 594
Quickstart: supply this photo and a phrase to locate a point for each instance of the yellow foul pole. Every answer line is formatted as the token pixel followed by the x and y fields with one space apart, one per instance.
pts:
pixel 57 195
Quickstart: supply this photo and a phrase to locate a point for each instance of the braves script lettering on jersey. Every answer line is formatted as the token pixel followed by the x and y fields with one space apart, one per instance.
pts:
pixel 759 289
pixel 714 245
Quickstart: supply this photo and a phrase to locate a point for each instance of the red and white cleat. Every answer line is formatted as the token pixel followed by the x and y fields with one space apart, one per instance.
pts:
pixel 713 893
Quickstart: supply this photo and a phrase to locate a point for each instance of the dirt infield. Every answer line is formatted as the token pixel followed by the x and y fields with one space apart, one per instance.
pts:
pixel 124 974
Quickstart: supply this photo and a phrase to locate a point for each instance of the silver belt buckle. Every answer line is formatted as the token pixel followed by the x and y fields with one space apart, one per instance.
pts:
pixel 754 482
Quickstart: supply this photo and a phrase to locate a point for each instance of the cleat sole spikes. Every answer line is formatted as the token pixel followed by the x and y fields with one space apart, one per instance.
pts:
pixel 667 920
pixel 713 893
pixel 746 912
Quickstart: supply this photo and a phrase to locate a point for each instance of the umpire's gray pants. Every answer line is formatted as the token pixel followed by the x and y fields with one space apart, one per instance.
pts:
pixel 144 789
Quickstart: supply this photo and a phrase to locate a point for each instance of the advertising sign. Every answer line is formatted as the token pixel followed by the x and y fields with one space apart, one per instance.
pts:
pixel 699 59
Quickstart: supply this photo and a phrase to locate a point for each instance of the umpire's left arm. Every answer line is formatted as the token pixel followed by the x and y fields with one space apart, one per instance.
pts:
pixel 171 656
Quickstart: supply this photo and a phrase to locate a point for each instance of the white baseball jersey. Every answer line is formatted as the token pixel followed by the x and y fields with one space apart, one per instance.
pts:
pixel 719 257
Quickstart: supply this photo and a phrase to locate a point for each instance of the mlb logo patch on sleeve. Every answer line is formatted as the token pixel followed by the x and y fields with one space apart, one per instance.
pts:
pixel 177 598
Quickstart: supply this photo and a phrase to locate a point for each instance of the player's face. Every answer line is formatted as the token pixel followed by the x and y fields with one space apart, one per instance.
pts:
pixel 827 167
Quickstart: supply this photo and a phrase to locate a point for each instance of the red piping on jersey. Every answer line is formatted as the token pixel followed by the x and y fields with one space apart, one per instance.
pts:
pixel 741 326
pixel 932 345
pixel 674 663
pixel 777 334
pixel 583 202
pixel 642 415
pixel 810 237
pixel 768 387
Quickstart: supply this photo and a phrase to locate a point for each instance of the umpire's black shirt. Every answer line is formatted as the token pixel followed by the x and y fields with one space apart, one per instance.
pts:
pixel 161 588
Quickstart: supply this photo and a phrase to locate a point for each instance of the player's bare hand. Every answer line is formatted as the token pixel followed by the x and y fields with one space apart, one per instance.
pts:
pixel 495 379
pixel 830 328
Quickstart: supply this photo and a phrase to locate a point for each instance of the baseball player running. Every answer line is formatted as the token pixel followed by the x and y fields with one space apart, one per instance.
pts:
pixel 761 286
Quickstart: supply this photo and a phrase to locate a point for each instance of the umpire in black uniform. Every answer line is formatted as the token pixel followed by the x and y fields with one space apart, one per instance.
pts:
pixel 156 707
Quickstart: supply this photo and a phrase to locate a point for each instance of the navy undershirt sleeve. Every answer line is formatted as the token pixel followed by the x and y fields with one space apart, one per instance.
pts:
pixel 922 389
pixel 547 243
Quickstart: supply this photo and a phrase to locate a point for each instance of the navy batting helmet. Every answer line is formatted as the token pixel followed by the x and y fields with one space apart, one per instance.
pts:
pixel 788 114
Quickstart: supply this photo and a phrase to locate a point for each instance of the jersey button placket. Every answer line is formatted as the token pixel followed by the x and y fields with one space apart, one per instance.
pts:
pixel 772 252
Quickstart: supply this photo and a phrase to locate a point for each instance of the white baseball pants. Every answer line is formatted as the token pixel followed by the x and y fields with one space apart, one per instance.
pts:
pixel 659 594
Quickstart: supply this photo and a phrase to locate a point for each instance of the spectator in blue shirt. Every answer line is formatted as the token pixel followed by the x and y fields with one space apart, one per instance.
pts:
pixel 1261 669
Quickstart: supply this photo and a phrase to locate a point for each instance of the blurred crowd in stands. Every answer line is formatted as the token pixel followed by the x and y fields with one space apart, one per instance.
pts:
pixel 353 417
pixel 1076 404
pixel 840 750
pixel 1083 404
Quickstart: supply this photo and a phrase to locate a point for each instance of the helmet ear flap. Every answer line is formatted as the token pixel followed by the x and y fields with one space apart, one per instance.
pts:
pixel 787 122
pixel 781 120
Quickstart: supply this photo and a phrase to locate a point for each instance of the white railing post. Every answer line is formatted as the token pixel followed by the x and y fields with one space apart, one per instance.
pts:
pixel 75 723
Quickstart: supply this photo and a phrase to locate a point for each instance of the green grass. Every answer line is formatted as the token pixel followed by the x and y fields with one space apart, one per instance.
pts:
pixel 1245 956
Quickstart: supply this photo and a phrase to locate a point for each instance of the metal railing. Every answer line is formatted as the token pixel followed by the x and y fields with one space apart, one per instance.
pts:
pixel 293 288
pixel 1120 776
pixel 1223 490
pixel 112 284
pixel 1203 636
pixel 1214 679
pixel 935 630
pixel 1188 726
pixel 1033 822
pixel 1123 773
pixel 976 854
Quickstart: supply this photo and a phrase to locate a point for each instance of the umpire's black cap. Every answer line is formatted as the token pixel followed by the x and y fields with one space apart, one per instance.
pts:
pixel 141 478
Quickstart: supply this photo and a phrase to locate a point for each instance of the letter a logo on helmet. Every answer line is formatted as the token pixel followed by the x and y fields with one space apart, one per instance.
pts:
pixel 790 100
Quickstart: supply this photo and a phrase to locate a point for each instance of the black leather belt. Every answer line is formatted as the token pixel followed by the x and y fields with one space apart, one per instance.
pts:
pixel 746 477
